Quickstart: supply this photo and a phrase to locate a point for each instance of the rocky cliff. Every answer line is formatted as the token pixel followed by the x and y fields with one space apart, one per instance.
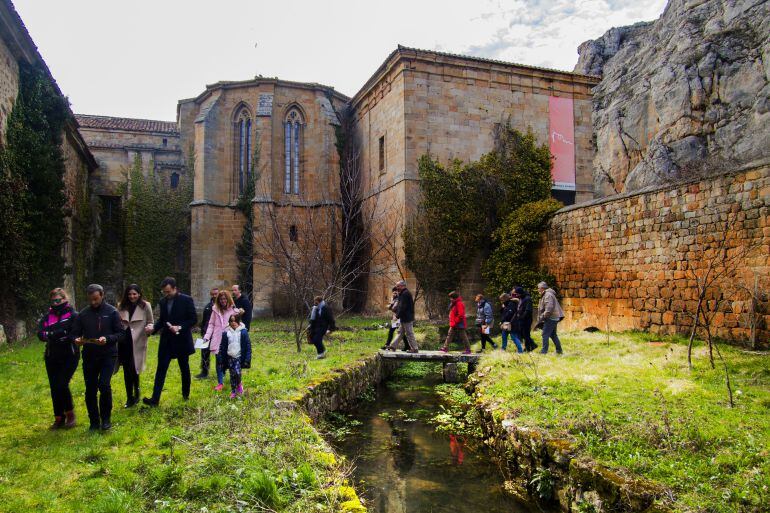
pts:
pixel 684 95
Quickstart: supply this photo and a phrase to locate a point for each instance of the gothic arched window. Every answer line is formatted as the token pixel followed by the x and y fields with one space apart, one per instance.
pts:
pixel 292 143
pixel 242 131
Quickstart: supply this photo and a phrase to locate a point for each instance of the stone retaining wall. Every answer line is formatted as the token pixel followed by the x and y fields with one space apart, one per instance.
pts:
pixel 634 257
pixel 340 392
pixel 577 482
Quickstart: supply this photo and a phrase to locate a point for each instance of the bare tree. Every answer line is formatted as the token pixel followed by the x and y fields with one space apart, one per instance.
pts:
pixel 320 243
pixel 755 308
pixel 719 258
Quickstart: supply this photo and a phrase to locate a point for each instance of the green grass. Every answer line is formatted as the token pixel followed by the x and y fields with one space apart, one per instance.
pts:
pixel 210 452
pixel 635 405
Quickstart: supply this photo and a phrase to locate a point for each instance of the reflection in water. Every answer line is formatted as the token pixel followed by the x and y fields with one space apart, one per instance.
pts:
pixel 403 465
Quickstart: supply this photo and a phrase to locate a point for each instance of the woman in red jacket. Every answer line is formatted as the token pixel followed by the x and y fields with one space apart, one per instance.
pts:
pixel 457 322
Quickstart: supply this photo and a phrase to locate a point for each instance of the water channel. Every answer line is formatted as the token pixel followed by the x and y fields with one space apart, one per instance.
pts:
pixel 405 464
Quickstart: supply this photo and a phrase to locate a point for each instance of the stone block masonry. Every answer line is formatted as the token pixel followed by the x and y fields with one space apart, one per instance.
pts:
pixel 633 258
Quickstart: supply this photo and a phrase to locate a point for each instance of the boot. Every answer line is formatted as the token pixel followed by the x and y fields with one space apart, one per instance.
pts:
pixel 69 419
pixel 58 423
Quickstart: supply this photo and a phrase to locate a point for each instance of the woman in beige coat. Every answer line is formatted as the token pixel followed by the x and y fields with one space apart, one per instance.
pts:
pixel 136 314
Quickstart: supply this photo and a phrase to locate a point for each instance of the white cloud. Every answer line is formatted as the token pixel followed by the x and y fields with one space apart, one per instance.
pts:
pixel 138 58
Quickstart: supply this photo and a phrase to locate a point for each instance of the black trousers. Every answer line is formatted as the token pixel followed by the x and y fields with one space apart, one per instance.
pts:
pixel 205 361
pixel 130 376
pixel 525 328
pixel 97 374
pixel 318 342
pixel 391 331
pixel 160 374
pixel 485 338
pixel 60 369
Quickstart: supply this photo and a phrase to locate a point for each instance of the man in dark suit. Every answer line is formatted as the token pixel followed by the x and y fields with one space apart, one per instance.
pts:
pixel 177 317
pixel 242 302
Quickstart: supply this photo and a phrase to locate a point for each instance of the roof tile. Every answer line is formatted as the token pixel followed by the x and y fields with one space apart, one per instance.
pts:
pixel 134 125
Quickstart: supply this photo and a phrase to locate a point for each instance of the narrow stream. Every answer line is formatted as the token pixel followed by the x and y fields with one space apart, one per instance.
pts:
pixel 403 463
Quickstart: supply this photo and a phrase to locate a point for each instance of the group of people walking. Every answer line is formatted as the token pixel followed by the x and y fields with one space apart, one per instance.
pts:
pixel 516 320
pixel 110 337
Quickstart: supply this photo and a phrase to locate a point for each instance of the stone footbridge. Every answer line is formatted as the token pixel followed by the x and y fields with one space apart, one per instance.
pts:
pixel 449 361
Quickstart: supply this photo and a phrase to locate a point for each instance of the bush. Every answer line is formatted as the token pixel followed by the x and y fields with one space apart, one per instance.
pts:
pixel 261 486
pixel 512 262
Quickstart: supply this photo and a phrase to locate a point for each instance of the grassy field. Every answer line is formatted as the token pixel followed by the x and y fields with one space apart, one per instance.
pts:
pixel 209 454
pixel 634 404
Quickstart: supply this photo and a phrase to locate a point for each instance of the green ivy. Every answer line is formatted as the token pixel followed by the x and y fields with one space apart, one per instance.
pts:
pixel 32 199
pixel 157 220
pixel 512 261
pixel 464 204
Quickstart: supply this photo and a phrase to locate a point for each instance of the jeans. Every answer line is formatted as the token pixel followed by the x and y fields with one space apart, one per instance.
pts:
pixel 457 333
pixel 220 364
pixel 549 331
pixel 97 374
pixel 160 375
pixel 60 371
pixel 515 339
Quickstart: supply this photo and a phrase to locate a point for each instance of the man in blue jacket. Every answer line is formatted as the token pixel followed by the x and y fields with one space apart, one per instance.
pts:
pixel 98 328
pixel 177 317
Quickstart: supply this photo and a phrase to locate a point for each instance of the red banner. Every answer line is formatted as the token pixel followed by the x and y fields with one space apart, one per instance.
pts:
pixel 562 142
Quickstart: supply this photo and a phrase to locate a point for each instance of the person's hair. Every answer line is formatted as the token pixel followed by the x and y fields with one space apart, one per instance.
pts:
pixel 401 283
pixel 168 280
pixel 124 301
pixel 212 289
pixel 236 285
pixel 230 302
pixel 394 289
pixel 237 318
pixel 318 299
pixel 519 290
pixel 542 285
pixel 454 294
pixel 479 297
pixel 94 287
pixel 504 297
pixel 58 291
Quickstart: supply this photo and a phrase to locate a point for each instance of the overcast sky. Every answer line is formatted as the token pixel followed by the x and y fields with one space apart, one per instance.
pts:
pixel 137 58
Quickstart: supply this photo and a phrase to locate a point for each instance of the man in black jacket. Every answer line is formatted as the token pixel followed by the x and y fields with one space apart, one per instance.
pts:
pixel 177 317
pixel 205 353
pixel 406 316
pixel 242 302
pixel 98 329
pixel 524 318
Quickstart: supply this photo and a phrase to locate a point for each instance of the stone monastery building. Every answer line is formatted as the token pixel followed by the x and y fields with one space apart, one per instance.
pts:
pixel 418 102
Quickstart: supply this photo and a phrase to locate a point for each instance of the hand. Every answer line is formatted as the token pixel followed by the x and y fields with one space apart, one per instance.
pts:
pixel 148 329
pixel 79 341
pixel 102 341
pixel 241 311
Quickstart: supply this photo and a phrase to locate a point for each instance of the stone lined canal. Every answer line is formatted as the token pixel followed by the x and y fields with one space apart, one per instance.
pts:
pixel 413 452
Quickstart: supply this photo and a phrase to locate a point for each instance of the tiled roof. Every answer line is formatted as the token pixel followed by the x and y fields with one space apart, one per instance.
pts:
pixel 134 125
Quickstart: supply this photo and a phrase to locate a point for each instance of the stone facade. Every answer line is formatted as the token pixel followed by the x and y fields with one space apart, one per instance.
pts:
pixel 632 257
pixel 421 102
pixel 16 47
pixel 263 108
pixel 117 142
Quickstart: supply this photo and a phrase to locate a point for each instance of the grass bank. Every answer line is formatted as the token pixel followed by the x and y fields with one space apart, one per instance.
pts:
pixel 633 405
pixel 208 454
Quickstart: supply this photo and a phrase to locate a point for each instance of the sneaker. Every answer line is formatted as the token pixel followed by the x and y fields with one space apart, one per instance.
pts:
pixel 321 356
pixel 494 346
pixel 385 347
pixel 467 351
pixel 219 387
pixel 444 349
pixel 106 425
pixel 201 376
pixel 413 351
pixel 150 401
pixel 57 423
pixel 93 427
pixel 240 389
pixel 233 395
pixel 479 351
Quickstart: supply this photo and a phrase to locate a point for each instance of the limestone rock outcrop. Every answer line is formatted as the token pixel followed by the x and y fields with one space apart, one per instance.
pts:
pixel 684 95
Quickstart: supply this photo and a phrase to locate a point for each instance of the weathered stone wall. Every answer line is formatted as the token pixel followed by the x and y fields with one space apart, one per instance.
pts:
pixel 342 390
pixel 632 257
pixel 9 84
pixel 577 482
